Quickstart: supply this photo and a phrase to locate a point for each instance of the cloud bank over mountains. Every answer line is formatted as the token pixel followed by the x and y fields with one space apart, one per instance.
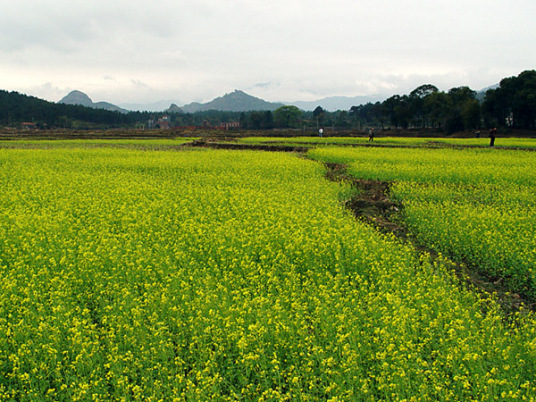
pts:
pixel 194 51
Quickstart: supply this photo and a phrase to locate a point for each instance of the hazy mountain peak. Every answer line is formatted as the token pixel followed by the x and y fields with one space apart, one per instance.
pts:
pixel 236 101
pixel 77 98
pixel 173 108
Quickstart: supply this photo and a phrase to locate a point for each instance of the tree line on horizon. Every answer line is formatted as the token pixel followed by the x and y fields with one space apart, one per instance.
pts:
pixel 512 104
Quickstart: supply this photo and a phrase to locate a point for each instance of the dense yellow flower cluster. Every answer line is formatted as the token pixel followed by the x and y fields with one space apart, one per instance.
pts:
pixel 198 275
pixel 477 206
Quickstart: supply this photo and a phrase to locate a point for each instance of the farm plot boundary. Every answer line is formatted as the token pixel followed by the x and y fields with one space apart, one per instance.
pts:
pixel 373 204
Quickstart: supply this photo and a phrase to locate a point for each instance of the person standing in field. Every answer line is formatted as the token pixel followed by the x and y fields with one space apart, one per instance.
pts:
pixel 320 132
pixel 492 135
pixel 371 135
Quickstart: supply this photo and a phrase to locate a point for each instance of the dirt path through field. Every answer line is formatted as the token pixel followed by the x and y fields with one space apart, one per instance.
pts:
pixel 372 204
pixel 208 143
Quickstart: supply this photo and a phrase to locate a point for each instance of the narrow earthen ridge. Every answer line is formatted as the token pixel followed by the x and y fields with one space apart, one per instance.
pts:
pixel 207 143
pixel 372 204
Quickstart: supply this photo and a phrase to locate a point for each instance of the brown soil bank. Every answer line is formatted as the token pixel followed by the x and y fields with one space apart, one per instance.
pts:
pixel 372 204
pixel 208 143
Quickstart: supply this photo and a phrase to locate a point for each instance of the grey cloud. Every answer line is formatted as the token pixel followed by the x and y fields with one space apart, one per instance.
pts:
pixel 280 49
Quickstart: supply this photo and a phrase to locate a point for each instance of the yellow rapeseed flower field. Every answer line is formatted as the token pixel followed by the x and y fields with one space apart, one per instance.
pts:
pixel 228 275
pixel 476 205
pixel 381 140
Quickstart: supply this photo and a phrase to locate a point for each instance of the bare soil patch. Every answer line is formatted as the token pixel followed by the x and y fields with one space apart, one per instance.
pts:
pixel 219 144
pixel 372 202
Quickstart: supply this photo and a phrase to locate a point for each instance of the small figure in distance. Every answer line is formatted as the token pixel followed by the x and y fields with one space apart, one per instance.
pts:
pixel 477 133
pixel 320 132
pixel 492 135
pixel 371 135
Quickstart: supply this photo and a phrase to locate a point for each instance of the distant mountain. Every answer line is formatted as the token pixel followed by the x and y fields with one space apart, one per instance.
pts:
pixel 77 98
pixel 237 101
pixel 480 95
pixel 16 108
pixel 109 106
pixel 80 98
pixel 173 109
pixel 148 107
pixel 193 107
pixel 334 103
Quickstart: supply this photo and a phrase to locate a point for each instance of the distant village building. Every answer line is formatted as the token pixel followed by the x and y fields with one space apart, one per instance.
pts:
pixel 163 123
pixel 29 126
pixel 232 124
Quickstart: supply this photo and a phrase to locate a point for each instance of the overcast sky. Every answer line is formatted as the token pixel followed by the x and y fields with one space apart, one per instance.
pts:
pixel 280 50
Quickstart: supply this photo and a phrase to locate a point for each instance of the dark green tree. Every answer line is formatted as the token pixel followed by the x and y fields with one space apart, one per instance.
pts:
pixel 471 114
pixel 459 95
pixel 319 114
pixel 465 113
pixel 342 119
pixel 403 111
pixel 267 120
pixel 423 91
pixel 513 103
pixel 362 115
pixel 417 99
pixel 390 105
pixel 437 108
pixel 255 120
pixel 287 117
pixel 379 114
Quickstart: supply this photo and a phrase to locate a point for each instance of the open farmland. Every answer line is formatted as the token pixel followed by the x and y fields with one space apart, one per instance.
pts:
pixel 380 140
pixel 477 206
pixel 238 275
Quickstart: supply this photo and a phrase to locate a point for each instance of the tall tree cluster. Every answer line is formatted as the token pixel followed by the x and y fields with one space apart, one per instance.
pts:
pixel 513 103
pixel 424 107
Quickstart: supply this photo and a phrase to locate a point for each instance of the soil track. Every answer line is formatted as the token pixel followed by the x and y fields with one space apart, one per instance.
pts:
pixel 372 204
pixel 207 143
